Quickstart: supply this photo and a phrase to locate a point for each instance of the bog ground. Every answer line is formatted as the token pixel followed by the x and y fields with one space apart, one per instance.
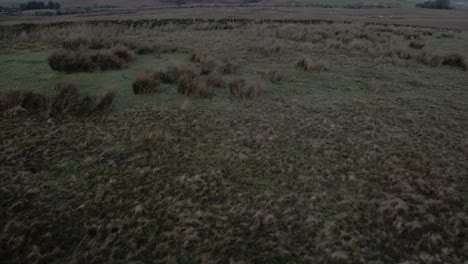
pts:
pixel 323 143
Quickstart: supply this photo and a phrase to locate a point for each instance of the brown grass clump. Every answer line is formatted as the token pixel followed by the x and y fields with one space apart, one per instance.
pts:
pixel 107 60
pixel 99 43
pixel 208 65
pixel 146 48
pixel 404 54
pixel 427 58
pixel 170 75
pixel 416 45
pixel 35 102
pixel 228 66
pixel 28 100
pixel 88 61
pixel 237 87
pixel 68 61
pixel 187 83
pixel 215 80
pixel 76 43
pixel 10 99
pixel 122 52
pixel 455 60
pixel 272 75
pixel 266 49
pixel 306 64
pixel 196 56
pixel 65 100
pixel 255 90
pixel 104 99
pixel 145 84
pixel 204 89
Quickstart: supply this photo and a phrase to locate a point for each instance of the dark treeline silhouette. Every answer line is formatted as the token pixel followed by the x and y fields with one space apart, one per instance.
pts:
pixel 437 4
pixel 34 5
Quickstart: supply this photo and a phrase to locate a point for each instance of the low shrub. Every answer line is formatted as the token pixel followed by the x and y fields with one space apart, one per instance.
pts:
pixel 144 84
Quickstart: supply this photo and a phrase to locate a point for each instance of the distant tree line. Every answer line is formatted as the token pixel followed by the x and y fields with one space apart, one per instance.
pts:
pixel 437 4
pixel 9 11
pixel 35 5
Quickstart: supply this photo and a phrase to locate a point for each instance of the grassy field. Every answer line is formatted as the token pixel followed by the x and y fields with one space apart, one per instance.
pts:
pixel 356 155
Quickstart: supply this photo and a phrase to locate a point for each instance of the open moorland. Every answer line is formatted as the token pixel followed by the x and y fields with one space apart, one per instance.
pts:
pixel 234 142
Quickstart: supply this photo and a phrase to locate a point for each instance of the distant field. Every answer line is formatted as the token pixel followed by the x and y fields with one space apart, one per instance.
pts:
pixel 403 16
pixel 129 3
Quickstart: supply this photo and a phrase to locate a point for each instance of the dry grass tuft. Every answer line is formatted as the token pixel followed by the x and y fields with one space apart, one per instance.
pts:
pixel 76 43
pixel 10 99
pixel 67 61
pixel 307 64
pixel 28 100
pixel 205 89
pixel 209 65
pixel 272 75
pixel 147 48
pixel 88 61
pixel 187 83
pixel 104 99
pixel 416 45
pixel 145 84
pixel 196 56
pixel 122 52
pixel 65 100
pixel 229 65
pixel 255 90
pixel 215 80
pixel 455 60
pixel 238 88
pixel 107 60
pixel 171 74
pixel 266 49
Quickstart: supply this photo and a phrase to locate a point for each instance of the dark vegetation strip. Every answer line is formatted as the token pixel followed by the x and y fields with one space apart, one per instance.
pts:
pixel 191 21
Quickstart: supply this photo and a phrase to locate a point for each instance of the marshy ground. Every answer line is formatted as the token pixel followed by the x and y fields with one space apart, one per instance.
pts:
pixel 353 150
